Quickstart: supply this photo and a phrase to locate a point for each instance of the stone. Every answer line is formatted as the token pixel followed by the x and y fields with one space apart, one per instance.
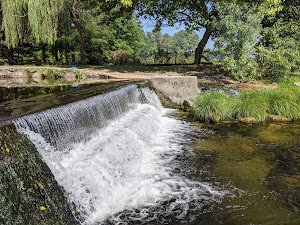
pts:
pixel 104 76
pixel 297 84
pixel 19 72
pixel 177 88
pixel 248 120
pixel 36 77
pixel 70 76
pixel 276 118
pixel 188 103
pixel 33 70
pixel 3 72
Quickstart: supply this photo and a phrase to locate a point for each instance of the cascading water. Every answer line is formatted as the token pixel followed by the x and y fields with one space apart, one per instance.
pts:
pixel 116 155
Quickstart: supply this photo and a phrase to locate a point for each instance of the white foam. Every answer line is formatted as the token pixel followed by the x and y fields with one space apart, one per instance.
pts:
pixel 127 170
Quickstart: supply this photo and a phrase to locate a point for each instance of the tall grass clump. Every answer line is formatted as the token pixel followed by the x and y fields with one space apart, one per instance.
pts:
pixel 285 102
pixel 212 106
pixel 288 82
pixel 252 104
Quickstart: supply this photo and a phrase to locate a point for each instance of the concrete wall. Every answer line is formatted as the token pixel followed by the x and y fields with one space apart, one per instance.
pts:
pixel 177 88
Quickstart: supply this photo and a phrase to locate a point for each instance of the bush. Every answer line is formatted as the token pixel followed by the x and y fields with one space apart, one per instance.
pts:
pixel 283 101
pixel 251 104
pixel 213 106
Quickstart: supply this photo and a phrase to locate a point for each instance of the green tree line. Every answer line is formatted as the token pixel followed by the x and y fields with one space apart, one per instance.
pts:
pixel 252 38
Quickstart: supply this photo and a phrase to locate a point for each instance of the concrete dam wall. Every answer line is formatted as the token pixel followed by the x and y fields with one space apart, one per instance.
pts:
pixel 178 89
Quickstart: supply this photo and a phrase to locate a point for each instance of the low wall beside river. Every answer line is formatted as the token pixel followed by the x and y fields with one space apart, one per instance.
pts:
pixel 178 89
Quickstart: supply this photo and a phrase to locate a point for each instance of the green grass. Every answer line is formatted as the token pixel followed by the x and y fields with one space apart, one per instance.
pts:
pixel 283 101
pixel 213 106
pixel 252 104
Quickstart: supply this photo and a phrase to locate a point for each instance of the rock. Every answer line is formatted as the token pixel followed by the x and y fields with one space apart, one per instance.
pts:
pixel 19 72
pixel 3 72
pixel 19 81
pixel 297 84
pixel 36 77
pixel 188 103
pixel 177 88
pixel 33 70
pixel 104 76
pixel 70 76
pixel 248 120
pixel 276 118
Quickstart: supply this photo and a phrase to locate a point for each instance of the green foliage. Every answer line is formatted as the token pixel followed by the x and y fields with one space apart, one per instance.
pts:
pixel 212 106
pixel 54 74
pixel 251 104
pixel 165 49
pixel 237 33
pixel 283 101
pixel 253 42
pixel 26 19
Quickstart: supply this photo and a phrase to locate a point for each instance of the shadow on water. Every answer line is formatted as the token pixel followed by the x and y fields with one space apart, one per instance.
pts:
pixel 259 164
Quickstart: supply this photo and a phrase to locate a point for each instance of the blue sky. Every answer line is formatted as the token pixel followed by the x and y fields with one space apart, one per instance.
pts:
pixel 148 25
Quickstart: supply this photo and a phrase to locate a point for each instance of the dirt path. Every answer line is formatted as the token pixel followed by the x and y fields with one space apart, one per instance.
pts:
pixel 17 76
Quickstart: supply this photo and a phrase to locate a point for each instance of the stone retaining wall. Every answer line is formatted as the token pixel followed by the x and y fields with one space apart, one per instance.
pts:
pixel 179 89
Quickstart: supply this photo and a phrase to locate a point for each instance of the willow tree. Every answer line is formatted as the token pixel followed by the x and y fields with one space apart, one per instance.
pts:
pixel 26 20
pixel 38 20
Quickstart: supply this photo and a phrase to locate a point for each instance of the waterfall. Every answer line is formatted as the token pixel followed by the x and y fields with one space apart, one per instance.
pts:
pixel 116 156
pixel 76 121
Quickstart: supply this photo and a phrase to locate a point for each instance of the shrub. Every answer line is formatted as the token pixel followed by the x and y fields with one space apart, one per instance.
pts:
pixel 284 102
pixel 251 104
pixel 212 106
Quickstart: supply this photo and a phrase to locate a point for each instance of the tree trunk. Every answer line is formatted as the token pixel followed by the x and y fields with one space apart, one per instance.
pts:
pixel 44 56
pixel 201 46
pixel 76 20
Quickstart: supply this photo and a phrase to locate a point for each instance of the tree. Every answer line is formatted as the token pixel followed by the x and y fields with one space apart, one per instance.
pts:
pixel 38 20
pixel 26 20
pixel 185 41
pixel 2 41
pixel 75 9
pixel 253 43
pixel 194 14
pixel 237 33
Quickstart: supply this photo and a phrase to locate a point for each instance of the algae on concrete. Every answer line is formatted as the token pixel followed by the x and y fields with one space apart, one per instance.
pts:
pixel 29 193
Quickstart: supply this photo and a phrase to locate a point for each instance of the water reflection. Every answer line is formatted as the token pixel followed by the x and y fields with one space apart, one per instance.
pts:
pixel 20 101
pixel 259 164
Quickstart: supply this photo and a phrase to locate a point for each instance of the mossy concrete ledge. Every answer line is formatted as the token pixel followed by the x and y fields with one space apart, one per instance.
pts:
pixel 178 89
pixel 29 193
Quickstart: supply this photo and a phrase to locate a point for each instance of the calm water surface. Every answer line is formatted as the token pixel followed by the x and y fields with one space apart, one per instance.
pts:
pixel 256 166
pixel 259 166
pixel 20 101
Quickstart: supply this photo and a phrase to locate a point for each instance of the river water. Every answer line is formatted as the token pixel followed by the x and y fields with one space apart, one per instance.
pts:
pixel 147 165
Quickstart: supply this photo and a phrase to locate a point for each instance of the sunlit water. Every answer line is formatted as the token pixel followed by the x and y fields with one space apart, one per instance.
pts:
pixel 121 162
pixel 124 159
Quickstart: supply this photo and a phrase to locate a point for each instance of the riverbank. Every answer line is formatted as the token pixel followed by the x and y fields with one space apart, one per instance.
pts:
pixel 280 104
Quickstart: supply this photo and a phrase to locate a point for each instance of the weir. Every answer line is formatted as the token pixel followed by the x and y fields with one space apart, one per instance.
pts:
pixel 74 122
pixel 116 157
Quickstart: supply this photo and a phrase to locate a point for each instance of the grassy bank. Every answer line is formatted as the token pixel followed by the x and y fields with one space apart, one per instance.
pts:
pixel 258 105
